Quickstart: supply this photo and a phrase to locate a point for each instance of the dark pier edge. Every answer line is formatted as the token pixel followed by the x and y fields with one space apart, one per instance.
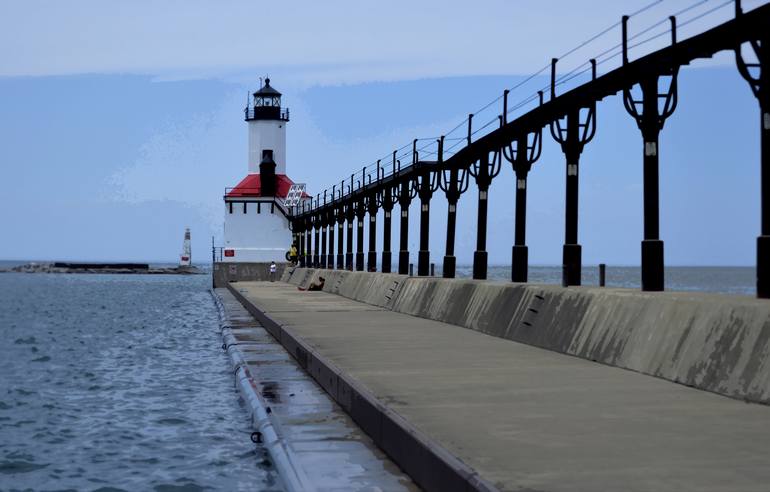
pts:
pixel 430 465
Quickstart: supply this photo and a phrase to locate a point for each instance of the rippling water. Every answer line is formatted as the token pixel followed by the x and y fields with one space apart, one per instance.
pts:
pixel 725 280
pixel 118 382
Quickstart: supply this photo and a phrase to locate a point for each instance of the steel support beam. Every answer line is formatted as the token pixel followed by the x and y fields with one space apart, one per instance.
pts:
pixel 454 185
pixel 757 74
pixel 387 211
pixel 573 138
pixel 330 256
pixel 650 120
pixel 371 259
pixel 309 242
pixel 360 214
pixel 450 261
pixel 519 251
pixel 349 254
pixel 763 242
pixel 317 231
pixel 571 251
pixel 652 246
pixel 521 156
pixel 404 200
pixel 340 240
pixel 483 171
pixel 323 244
pixel 423 255
pixel 480 256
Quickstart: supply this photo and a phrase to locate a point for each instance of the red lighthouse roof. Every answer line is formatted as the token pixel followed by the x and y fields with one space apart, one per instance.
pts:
pixel 250 186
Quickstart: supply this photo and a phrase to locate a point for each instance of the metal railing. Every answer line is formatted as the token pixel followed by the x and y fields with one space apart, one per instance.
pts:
pixel 267 112
pixel 217 252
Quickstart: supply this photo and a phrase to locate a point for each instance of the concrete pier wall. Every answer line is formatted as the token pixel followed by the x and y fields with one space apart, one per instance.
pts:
pixel 378 289
pixel 224 272
pixel 712 342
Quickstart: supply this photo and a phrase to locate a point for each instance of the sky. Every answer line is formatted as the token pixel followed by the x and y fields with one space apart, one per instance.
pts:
pixel 122 122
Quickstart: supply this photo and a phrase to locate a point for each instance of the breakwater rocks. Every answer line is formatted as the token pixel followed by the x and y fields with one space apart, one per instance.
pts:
pixel 120 268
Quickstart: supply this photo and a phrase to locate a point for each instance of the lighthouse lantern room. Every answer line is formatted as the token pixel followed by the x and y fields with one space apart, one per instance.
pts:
pixel 256 219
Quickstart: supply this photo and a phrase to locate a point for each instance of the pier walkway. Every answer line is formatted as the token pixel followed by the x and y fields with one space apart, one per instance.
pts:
pixel 309 439
pixel 506 415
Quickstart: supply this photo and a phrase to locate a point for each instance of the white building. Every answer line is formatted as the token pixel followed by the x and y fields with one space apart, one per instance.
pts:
pixel 256 221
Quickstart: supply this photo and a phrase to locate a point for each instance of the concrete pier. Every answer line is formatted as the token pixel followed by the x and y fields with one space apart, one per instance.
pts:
pixel 459 409
pixel 311 441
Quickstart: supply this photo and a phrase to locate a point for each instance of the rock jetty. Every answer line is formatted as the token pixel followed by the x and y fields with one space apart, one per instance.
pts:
pixel 122 268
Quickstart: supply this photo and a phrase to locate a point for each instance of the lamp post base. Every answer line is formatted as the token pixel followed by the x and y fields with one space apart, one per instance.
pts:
pixel 572 257
pixel 480 265
pixel 403 262
pixel 386 258
pixel 450 263
pixel 519 260
pixel 763 267
pixel 652 265
pixel 423 263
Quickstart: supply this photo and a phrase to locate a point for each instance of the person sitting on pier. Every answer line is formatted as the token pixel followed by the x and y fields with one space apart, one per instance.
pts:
pixel 315 285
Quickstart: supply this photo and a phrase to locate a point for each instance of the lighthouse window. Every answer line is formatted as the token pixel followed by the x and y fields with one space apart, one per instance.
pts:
pixel 244 207
pixel 259 207
pixel 272 208
pixel 230 206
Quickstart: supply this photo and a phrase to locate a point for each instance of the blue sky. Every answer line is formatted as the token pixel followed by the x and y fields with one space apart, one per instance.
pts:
pixel 122 124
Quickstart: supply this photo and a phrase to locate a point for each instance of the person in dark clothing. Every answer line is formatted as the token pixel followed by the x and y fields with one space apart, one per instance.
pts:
pixel 315 285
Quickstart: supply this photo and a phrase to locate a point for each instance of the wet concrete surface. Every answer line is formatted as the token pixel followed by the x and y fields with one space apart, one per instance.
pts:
pixel 331 450
pixel 526 418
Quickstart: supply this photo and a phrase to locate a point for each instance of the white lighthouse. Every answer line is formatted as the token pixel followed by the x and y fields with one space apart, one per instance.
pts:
pixel 256 220
pixel 185 259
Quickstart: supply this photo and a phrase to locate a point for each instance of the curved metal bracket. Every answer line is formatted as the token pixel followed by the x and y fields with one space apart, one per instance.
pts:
pixel 744 68
pixel 645 121
pixel 586 129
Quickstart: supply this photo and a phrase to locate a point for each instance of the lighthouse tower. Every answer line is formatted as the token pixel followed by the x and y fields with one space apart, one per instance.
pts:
pixel 185 259
pixel 256 220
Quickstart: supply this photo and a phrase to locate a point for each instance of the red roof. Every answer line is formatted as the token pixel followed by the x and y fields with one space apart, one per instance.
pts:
pixel 251 186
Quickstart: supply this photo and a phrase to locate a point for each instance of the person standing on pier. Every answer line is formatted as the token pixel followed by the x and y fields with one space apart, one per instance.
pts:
pixel 272 271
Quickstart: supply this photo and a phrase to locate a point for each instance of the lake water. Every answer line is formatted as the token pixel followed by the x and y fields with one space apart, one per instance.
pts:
pixel 725 280
pixel 119 382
